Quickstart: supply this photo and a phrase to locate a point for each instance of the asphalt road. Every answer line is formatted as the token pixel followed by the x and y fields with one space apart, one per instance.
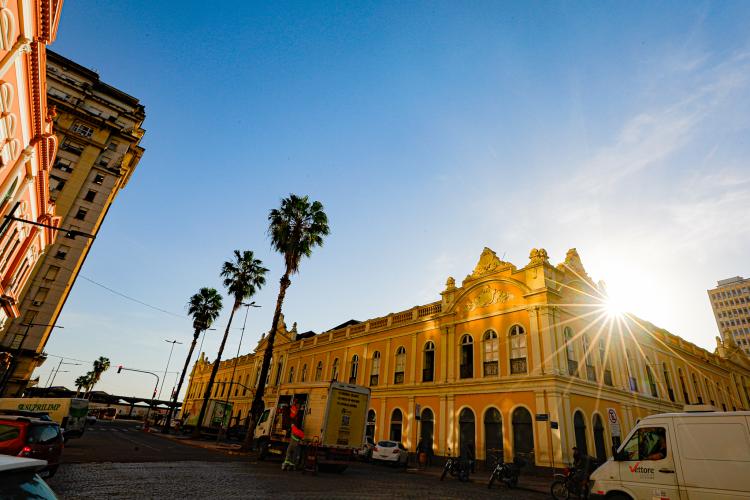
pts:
pixel 116 460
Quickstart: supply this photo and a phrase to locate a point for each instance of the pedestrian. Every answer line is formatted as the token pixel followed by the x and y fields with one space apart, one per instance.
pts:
pixel 292 456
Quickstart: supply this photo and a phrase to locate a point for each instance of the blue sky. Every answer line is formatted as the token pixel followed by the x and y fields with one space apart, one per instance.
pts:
pixel 428 130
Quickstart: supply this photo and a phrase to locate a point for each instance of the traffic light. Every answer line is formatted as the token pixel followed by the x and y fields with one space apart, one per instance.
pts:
pixel 119 368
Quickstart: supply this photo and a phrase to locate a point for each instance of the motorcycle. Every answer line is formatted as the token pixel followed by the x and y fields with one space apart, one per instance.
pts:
pixel 456 467
pixel 506 472
pixel 569 485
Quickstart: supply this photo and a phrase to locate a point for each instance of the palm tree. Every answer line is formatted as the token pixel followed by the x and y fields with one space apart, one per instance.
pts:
pixel 82 382
pixel 295 229
pixel 242 277
pixel 101 365
pixel 204 307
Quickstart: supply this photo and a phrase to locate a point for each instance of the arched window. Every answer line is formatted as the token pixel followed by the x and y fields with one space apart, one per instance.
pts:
pixel 303 376
pixel 651 380
pixel 631 372
pixel 523 434
pixel 601 448
pixel 291 374
pixel 517 350
pixel 720 397
pixel 590 370
pixel 370 429
pixel 697 388
pixel 490 365
pixel 396 423
pixel 667 382
pixel 606 370
pixel 467 357
pixel 398 377
pixel 375 371
pixel 685 395
pixel 354 369
pixel 570 352
pixel 278 371
pixel 467 434
pixel 493 432
pixel 710 392
pixel 579 424
pixel 319 371
pixel 428 365
pixel 335 369
pixel 427 429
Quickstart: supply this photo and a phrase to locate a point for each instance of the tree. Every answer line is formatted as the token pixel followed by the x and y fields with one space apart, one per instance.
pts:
pixel 204 307
pixel 243 276
pixel 295 228
pixel 101 365
pixel 83 382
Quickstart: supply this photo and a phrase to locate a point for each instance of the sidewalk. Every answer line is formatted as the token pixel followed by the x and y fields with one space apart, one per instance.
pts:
pixel 537 481
pixel 207 444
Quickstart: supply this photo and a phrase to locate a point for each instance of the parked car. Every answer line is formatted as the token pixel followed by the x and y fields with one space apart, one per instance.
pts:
pixel 19 479
pixel 391 452
pixel 32 438
pixel 365 453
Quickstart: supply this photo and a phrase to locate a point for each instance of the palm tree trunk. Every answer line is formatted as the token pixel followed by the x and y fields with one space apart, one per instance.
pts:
pixel 168 422
pixel 214 370
pixel 256 409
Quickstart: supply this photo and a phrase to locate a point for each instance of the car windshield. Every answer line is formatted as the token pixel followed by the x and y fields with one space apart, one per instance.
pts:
pixel 23 485
pixel 387 444
pixel 43 434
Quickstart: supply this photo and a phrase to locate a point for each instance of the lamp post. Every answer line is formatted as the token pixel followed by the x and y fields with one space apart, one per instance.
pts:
pixel 234 368
pixel 173 342
pixel 55 372
pixel 14 357
pixel 153 395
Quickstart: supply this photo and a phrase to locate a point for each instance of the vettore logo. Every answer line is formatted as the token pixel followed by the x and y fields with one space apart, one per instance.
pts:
pixel 640 469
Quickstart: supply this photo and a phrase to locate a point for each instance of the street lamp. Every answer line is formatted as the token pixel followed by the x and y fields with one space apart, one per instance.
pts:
pixel 55 372
pixel 234 368
pixel 173 342
pixel 153 395
pixel 14 358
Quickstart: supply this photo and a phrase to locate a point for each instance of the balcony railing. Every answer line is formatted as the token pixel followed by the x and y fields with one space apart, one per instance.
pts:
pixel 517 365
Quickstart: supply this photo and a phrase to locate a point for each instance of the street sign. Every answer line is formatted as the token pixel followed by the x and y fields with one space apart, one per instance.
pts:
pixel 614 422
pixel 542 417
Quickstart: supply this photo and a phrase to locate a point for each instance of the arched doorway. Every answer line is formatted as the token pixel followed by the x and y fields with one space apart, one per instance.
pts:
pixel 579 425
pixel 493 433
pixel 466 434
pixel 601 448
pixel 396 423
pixel 370 428
pixel 523 434
pixel 427 429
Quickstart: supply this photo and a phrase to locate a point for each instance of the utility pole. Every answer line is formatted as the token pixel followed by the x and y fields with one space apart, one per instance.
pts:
pixel 173 342
pixel 55 372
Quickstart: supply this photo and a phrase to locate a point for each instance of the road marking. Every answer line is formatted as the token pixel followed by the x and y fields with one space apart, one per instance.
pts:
pixel 139 443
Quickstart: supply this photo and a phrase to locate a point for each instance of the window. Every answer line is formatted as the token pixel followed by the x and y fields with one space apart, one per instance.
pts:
pixel 90 196
pixel 82 130
pixel 375 372
pixel 98 179
pixel 51 273
pixel 605 366
pixel 71 234
pixel 428 366
pixel 71 146
pixel 63 164
pixel 291 374
pixel 62 252
pixel 112 146
pixel 319 371
pixel 651 380
pixel 396 422
pixel 354 369
pixel 647 443
pixel 517 350
pixel 697 389
pixel 398 376
pixel 490 365
pixel 685 396
pixel 8 432
pixel 43 434
pixel 571 352
pixel 104 161
pixel 335 369
pixel 631 373
pixel 590 370
pixel 278 371
pixel 303 376
pixel 81 214
pixel 40 296
pixel 667 383
pixel 467 357
pixel 56 183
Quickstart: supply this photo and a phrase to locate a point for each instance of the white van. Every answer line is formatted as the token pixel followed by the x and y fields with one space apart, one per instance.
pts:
pixel 696 455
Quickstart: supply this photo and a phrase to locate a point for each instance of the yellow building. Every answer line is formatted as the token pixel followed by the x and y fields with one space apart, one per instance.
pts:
pixel 527 360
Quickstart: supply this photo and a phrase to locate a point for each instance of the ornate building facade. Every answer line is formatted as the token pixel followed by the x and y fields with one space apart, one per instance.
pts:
pixel 27 148
pixel 527 360
pixel 99 131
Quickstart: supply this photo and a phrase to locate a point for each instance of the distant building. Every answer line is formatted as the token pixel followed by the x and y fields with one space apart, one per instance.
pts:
pixel 730 301
pixel 524 359
pixel 27 148
pixel 99 130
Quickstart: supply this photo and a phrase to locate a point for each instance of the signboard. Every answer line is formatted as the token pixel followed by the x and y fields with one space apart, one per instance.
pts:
pixel 345 424
pixel 614 422
pixel 542 417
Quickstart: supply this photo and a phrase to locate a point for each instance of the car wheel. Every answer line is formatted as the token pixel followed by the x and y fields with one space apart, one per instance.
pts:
pixel 51 471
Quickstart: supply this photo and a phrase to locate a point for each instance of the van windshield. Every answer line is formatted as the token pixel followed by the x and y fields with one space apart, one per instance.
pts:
pixel 648 443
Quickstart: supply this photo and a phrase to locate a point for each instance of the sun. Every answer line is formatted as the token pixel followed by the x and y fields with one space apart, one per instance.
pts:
pixel 613 308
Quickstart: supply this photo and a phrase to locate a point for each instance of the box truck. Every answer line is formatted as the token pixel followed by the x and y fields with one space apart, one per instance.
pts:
pixel 332 417
pixel 70 413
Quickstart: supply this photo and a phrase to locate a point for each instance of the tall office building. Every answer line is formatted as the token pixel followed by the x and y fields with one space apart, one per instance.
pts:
pixel 730 301
pixel 99 130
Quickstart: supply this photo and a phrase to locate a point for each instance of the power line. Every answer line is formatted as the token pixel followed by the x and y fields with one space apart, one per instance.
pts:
pixel 132 299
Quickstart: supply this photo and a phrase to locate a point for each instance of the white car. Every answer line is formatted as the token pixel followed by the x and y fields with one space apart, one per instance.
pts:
pixel 390 451
pixel 19 479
